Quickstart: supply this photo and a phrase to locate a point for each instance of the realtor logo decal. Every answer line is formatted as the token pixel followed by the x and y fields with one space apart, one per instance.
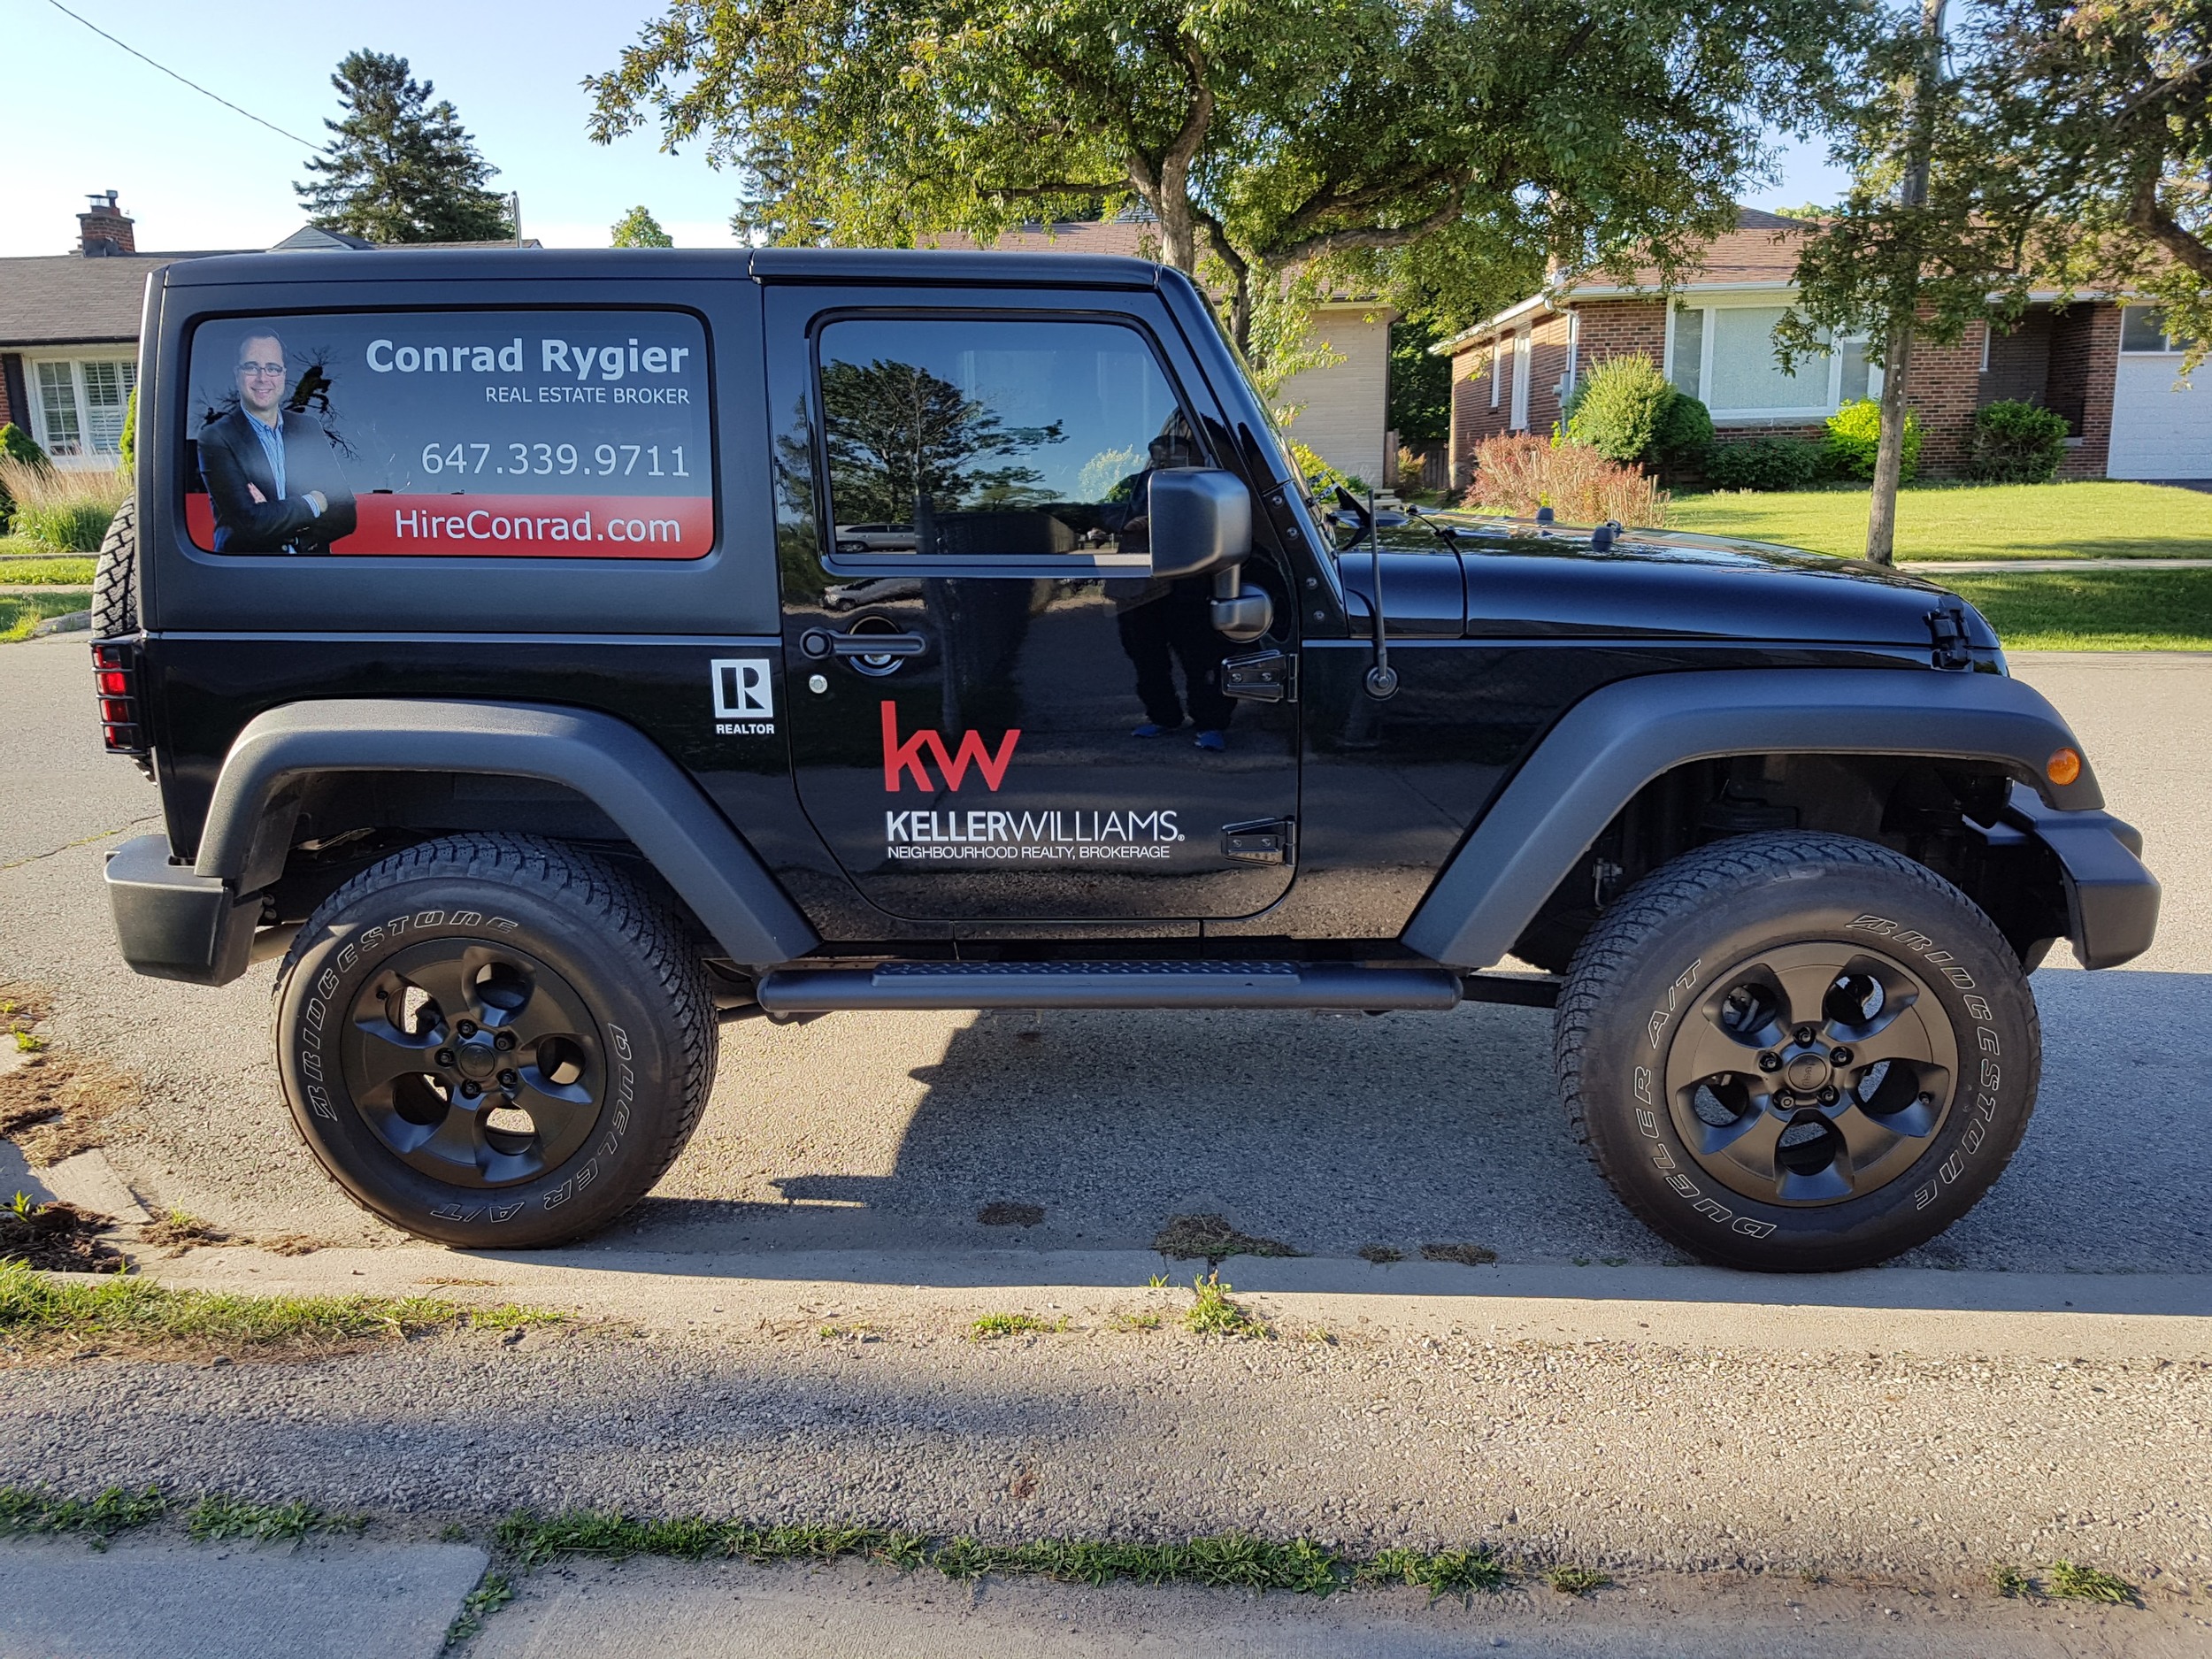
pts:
pixel 744 696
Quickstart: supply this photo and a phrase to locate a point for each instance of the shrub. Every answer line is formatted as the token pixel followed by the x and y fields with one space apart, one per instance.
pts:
pixel 63 511
pixel 1685 436
pixel 1854 433
pixel 1771 463
pixel 129 445
pixel 1616 408
pixel 2016 444
pixel 19 445
pixel 1517 474
pixel 1629 412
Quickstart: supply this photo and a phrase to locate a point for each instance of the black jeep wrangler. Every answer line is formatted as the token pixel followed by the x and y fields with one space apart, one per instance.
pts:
pixel 551 654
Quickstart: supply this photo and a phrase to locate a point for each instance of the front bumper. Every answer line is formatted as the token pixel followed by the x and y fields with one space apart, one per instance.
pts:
pixel 2111 898
pixel 174 924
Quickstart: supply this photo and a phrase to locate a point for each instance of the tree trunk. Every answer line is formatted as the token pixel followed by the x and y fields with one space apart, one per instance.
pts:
pixel 1889 456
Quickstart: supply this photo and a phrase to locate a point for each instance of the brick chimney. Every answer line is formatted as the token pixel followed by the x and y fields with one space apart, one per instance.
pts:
pixel 106 229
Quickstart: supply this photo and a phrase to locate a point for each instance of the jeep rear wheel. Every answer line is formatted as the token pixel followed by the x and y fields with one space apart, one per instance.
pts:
pixel 495 1042
pixel 1798 1052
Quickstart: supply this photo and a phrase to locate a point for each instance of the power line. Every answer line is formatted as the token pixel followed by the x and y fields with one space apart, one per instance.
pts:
pixel 174 75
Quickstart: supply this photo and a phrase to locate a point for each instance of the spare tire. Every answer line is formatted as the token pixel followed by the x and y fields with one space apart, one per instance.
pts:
pixel 115 578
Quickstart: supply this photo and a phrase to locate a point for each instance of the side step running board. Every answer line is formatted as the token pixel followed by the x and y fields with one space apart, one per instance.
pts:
pixel 1312 985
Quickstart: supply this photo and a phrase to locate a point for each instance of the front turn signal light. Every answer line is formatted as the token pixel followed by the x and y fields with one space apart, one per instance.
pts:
pixel 2063 766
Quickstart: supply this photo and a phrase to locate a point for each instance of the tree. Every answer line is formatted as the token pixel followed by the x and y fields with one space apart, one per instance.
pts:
pixel 1420 384
pixel 2099 126
pixel 1443 152
pixel 902 442
pixel 638 228
pixel 1911 252
pixel 398 167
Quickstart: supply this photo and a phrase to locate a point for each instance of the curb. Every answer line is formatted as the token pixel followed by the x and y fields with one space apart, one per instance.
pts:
pixel 71 622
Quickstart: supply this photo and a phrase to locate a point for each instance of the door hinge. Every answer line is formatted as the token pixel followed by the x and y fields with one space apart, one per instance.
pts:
pixel 1267 841
pixel 1262 676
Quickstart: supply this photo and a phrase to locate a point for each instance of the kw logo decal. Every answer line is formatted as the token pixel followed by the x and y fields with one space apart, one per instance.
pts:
pixel 902 757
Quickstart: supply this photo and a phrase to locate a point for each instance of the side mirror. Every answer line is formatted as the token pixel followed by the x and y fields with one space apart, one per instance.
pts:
pixel 1202 522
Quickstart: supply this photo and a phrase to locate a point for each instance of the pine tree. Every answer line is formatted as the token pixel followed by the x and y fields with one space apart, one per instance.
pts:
pixel 399 167
pixel 638 228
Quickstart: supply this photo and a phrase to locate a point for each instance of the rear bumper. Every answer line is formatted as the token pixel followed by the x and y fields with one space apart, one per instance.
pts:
pixel 2111 898
pixel 173 925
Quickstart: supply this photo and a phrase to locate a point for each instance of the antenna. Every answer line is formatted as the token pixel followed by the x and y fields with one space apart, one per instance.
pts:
pixel 1382 678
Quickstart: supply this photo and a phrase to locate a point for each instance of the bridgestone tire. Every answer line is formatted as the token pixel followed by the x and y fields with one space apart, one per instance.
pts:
pixel 1705 939
pixel 115 577
pixel 562 941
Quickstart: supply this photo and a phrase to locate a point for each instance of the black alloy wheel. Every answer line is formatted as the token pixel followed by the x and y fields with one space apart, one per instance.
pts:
pixel 1812 1073
pixel 475 1062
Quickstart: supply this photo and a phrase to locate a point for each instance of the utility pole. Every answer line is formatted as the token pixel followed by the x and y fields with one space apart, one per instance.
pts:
pixel 514 205
pixel 1889 456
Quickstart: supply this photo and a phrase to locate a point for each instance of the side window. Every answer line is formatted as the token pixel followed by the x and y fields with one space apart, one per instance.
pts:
pixel 1000 438
pixel 529 434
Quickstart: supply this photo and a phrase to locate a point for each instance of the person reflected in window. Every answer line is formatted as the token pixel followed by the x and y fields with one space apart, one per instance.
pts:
pixel 272 477
pixel 1163 623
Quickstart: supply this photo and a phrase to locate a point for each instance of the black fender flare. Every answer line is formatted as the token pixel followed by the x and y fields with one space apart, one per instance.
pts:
pixel 1619 738
pixel 657 805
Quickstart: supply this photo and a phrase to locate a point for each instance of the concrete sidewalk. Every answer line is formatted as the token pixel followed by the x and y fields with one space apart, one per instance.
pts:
pixel 162 1596
pixel 379 1599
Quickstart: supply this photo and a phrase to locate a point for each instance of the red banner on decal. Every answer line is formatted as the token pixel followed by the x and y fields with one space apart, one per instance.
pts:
pixel 515 527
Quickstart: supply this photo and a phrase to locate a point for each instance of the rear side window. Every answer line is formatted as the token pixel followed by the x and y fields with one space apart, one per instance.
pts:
pixel 995 438
pixel 533 434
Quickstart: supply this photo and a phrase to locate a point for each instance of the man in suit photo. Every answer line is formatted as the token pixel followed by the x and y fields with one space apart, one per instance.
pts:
pixel 272 476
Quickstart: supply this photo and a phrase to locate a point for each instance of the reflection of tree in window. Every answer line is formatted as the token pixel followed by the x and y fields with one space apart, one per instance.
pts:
pixel 905 445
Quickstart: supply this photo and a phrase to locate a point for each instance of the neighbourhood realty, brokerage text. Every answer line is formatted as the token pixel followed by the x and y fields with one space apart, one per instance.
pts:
pixel 992 834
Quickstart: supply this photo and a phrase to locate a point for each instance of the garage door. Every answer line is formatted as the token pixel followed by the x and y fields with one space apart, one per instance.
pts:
pixel 2156 431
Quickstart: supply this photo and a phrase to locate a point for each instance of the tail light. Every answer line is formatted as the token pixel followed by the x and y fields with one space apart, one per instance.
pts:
pixel 115 677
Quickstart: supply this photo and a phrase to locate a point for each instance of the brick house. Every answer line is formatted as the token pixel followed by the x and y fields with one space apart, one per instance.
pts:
pixel 2103 364
pixel 1343 410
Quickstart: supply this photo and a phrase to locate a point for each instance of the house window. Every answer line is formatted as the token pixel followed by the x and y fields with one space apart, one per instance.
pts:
pixel 2143 328
pixel 78 411
pixel 1723 355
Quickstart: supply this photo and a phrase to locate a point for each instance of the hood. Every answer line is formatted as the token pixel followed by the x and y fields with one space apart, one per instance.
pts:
pixel 1519 579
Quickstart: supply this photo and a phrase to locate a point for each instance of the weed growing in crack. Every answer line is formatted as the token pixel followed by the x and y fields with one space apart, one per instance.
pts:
pixel 1459 1572
pixel 992 1326
pixel 1215 1313
pixel 2009 1580
pixel 216 1519
pixel 1575 1580
pixel 28 1511
pixel 2075 1582
pixel 1134 1321
pixel 493 1592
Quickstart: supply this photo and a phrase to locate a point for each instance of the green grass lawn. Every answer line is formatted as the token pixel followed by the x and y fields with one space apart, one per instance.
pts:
pixel 2093 610
pixel 20 613
pixel 2100 519
pixel 67 571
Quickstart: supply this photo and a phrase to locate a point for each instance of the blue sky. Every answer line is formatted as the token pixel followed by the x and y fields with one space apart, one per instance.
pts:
pixel 195 175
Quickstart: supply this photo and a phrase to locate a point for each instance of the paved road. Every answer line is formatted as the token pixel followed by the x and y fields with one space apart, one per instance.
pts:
pixel 885 1133
pixel 1642 1418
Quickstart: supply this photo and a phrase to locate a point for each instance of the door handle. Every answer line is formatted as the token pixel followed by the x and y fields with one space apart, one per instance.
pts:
pixel 820 643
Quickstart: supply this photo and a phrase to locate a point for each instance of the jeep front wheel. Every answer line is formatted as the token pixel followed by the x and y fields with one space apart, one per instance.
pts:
pixel 1798 1052
pixel 493 1041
